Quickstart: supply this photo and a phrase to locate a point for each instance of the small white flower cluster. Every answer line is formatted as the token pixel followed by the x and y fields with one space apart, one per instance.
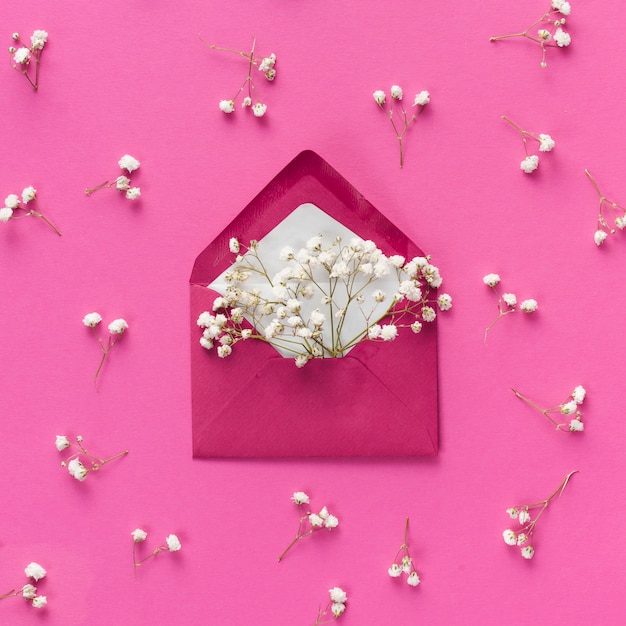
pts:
pixel 507 302
pixel 265 65
pixel 420 101
pixel 604 229
pixel 122 183
pixel 521 537
pixel 403 563
pixel 550 32
pixel 74 464
pixel 353 267
pixel 116 329
pixel 531 162
pixel 309 522
pixel 172 544
pixel 13 205
pixel 570 407
pixel 29 591
pixel 336 606
pixel 23 54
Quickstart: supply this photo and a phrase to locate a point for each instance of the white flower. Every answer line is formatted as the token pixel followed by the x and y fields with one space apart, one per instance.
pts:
pixel 337 594
pixel 317 318
pixel 223 351
pixel 299 497
pixel 509 536
pixel 337 608
pixel 374 331
pixel 139 535
pixel 315 520
pixel 522 538
pixel 22 56
pixel 579 394
pixel 233 245
pixel 62 442
pixel 11 201
pixel 28 194
pixel 509 299
pixel 133 193
pixel 227 106
pixel 388 332
pixel 546 143
pixel 35 571
pixel 92 319
pixel 576 425
pixel 491 280
pixel 259 109
pixel 270 74
pixel 302 360
pixel 529 306
pixel 396 260
pixel 247 102
pixel 428 314
pixel 413 579
pixel 118 326
pixel 620 222
pixel 544 34
pixel 396 92
pixel 524 516
pixel 513 512
pixel 287 253
pixel 314 243
pixel 416 327
pixel 599 236
pixel 529 164
pixel 422 99
pixel 122 183
pixel 569 408
pixel 528 552
pixel 173 543
pixel 331 522
pixel 379 295
pixel 395 570
pixel 40 601
pixel 6 214
pixel 562 38
pixel 38 39
pixel 562 6
pixel 129 163
pixel 77 469
pixel 29 592
pixel 444 302
pixel 379 96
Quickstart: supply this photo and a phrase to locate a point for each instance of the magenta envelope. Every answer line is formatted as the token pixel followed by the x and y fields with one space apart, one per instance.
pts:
pixel 380 399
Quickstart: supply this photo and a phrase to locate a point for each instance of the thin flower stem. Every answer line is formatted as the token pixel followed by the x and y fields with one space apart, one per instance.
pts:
pixel 545 412
pixel 47 221
pixel 11 594
pixel 297 538
pixel 138 563
pixel 105 185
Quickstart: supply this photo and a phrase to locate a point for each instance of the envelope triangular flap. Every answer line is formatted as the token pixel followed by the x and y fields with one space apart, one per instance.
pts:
pixel 379 400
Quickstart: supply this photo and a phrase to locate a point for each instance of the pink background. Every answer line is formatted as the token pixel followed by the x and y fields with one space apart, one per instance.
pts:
pixel 132 77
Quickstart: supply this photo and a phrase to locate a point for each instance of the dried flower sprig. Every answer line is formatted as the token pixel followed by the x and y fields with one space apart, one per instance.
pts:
pixel 546 144
pixel 604 228
pixel 569 407
pixel 116 329
pixel 343 277
pixel 522 537
pixel 122 183
pixel 29 591
pixel 14 208
pixel 22 56
pixel 309 522
pixel 507 302
pixel 266 65
pixel 403 563
pixel 171 544
pixel 421 100
pixel 550 33
pixel 335 607
pixel 74 464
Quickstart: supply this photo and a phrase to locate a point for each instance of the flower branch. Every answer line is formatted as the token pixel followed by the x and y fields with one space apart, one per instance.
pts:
pixel 335 607
pixel 546 144
pixel 14 208
pixel 309 523
pixel 122 183
pixel 75 466
pixel 522 537
pixel 116 329
pixel 171 544
pixel 570 406
pixel 403 563
pixel 29 591
pixel 22 56
pixel 604 228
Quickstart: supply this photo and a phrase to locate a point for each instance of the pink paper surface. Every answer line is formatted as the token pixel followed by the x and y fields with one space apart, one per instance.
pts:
pixel 277 409
pixel 132 77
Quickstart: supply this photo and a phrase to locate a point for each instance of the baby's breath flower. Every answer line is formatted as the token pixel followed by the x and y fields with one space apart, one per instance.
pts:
pixel 118 326
pixel 133 193
pixel 337 594
pixel 562 38
pixel 122 183
pixel 129 163
pixel 92 319
pixel 422 99
pixel 569 407
pixel 491 280
pixel 233 245
pixel 227 106
pixel 396 92
pixel 444 302
pixel 28 194
pixel 12 201
pixel 546 143
pixel 22 56
pixel 40 601
pixel 528 552
pixel 62 442
pixel 395 570
pixel 529 164
pixel 413 579
pixel 35 571
pixel 579 394
pixel 599 237
pixel 77 469
pixel 576 425
pixel 259 109
pixel 509 299
pixel 6 214
pixel 428 314
pixel 173 543
pixel 29 592
pixel 139 535
pixel 299 497
pixel 380 97
pixel 510 538
pixel 529 306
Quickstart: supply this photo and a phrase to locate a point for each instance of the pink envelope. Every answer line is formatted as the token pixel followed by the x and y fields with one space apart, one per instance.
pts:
pixel 378 400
